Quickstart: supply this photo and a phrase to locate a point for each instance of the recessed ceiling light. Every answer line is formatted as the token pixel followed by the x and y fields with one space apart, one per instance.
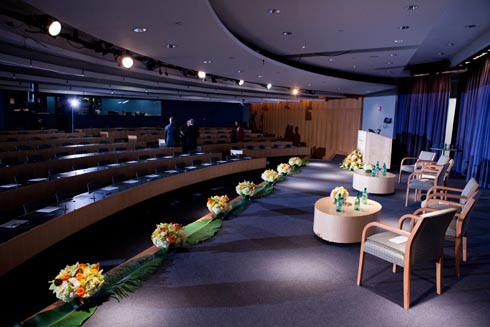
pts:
pixel 393 54
pixel 139 29
pixel 206 61
pixel 273 11
pixel 354 66
pixel 171 46
pixel 404 27
pixel 54 28
pixel 331 59
pixel 451 44
pixel 412 7
pixel 239 71
pixel 303 47
pixel 295 91
pixel 389 62
pixel 398 41
pixel 127 61
pixel 287 33
pixel 241 82
pixel 260 76
pixel 440 53
pixel 470 26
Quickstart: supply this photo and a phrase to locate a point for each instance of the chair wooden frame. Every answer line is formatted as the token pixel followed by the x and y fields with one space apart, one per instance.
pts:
pixel 452 194
pixel 460 240
pixel 408 252
pixel 427 170
pixel 418 163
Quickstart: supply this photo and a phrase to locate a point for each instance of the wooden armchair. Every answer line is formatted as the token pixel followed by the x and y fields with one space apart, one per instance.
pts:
pixel 423 243
pixel 456 196
pixel 412 164
pixel 457 231
pixel 419 180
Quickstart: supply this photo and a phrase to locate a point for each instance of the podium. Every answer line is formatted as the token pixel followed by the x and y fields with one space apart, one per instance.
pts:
pixel 374 147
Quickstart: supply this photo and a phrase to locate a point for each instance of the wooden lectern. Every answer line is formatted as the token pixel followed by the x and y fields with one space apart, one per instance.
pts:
pixel 374 147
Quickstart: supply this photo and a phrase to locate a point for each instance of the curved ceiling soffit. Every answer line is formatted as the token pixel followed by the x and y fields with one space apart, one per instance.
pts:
pixel 278 59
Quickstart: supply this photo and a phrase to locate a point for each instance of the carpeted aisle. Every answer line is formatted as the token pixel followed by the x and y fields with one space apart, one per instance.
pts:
pixel 265 267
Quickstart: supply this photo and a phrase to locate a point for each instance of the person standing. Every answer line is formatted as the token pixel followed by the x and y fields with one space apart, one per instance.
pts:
pixel 191 134
pixel 237 133
pixel 171 133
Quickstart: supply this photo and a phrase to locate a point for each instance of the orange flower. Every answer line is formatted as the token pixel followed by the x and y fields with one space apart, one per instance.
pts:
pixel 172 239
pixel 80 292
pixel 79 276
pixel 65 276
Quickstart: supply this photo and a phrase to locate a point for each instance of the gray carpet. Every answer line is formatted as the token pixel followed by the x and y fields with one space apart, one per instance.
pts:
pixel 265 267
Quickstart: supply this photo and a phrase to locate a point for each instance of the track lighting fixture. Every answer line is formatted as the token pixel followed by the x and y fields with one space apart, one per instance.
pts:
pixel 295 91
pixel 268 86
pixel 240 82
pixel 127 62
pixel 201 74
pixel 54 28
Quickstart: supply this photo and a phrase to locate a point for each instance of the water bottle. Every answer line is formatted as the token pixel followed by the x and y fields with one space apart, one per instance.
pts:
pixel 364 196
pixel 357 202
pixel 384 168
pixel 338 203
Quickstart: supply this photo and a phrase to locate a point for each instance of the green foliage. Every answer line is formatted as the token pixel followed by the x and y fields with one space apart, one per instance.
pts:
pixel 201 230
pixel 263 190
pixel 129 277
pixel 66 315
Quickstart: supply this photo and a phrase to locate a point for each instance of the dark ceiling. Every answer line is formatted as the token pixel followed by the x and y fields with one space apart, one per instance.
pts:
pixel 325 48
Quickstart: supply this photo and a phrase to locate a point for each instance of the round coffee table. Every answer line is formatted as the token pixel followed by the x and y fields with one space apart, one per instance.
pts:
pixel 345 226
pixel 375 184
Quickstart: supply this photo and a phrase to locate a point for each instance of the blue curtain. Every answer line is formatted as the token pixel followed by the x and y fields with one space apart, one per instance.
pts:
pixel 473 134
pixel 421 114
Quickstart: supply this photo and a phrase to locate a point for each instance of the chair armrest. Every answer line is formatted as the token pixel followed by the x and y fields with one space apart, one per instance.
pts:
pixel 423 163
pixel 442 188
pixel 412 217
pixel 439 196
pixel 406 159
pixel 384 227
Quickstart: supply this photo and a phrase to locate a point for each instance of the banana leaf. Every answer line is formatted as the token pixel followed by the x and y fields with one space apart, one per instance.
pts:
pixel 201 230
pixel 65 315
pixel 263 190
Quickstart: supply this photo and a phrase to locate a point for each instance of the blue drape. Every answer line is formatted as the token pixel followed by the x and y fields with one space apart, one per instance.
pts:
pixel 421 114
pixel 473 135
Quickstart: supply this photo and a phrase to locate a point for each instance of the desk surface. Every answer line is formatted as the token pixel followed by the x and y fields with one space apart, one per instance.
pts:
pixel 42 228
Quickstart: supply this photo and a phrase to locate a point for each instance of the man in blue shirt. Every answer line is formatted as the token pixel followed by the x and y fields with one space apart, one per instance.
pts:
pixel 171 133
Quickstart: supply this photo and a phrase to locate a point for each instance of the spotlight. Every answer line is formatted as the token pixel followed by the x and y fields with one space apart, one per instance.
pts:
pixel 127 62
pixel 201 74
pixel 74 103
pixel 295 91
pixel 54 29
pixel 268 86
pixel 240 82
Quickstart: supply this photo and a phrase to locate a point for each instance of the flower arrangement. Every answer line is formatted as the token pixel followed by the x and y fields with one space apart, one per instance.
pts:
pixel 219 205
pixel 167 234
pixel 339 190
pixel 368 167
pixel 283 168
pixel 270 176
pixel 79 281
pixel 353 161
pixel 246 189
pixel 295 162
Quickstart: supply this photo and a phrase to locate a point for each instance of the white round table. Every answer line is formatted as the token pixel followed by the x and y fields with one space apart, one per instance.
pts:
pixel 345 226
pixel 375 184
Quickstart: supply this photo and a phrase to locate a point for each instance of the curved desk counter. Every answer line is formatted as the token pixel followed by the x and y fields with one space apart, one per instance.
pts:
pixel 345 226
pixel 375 184
pixel 60 221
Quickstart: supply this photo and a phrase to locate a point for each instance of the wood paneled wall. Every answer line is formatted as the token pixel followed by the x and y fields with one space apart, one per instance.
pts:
pixel 332 124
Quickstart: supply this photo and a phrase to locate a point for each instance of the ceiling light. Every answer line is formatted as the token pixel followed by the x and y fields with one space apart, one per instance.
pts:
pixel 268 86
pixel 331 59
pixel 171 46
pixel 287 33
pixel 239 71
pixel 74 103
pixel 392 54
pixel 404 27
pixel 303 47
pixel 139 29
pixel 240 82
pixel 451 44
pixel 127 62
pixel 201 74
pixel 412 7
pixel 354 66
pixel 470 26
pixel 440 53
pixel 389 62
pixel 273 11
pixel 54 28
pixel 398 41
pixel 295 91
pixel 206 62
pixel 259 76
